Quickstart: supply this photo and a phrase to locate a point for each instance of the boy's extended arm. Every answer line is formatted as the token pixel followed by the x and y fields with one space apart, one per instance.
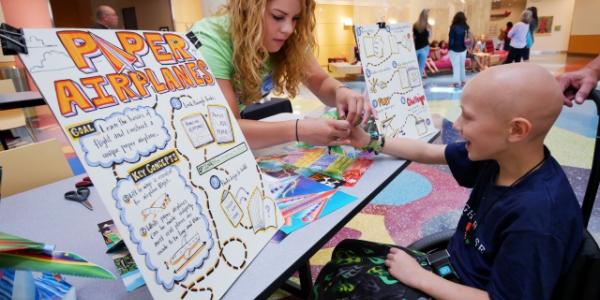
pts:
pixel 405 148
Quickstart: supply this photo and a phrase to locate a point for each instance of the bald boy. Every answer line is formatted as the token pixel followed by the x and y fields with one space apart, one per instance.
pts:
pixel 522 226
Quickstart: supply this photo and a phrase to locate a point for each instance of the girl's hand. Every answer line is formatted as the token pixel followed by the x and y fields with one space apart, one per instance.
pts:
pixel 324 132
pixel 352 106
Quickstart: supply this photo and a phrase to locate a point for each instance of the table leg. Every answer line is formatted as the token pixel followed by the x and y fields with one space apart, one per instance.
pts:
pixel 306 283
pixel 303 290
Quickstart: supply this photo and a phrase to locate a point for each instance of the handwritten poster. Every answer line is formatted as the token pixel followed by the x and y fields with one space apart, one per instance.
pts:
pixel 393 80
pixel 156 136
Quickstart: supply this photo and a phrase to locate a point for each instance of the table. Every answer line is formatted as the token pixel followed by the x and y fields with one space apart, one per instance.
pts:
pixel 42 215
pixel 21 100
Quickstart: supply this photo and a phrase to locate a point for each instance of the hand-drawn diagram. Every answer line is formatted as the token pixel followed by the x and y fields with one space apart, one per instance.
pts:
pixel 197 130
pixel 159 141
pixel 221 123
pixel 232 208
pixel 51 61
pixel 260 211
pixel 393 80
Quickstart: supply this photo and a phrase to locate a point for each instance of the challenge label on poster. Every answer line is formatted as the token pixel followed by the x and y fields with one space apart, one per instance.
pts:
pixel 155 134
pixel 393 80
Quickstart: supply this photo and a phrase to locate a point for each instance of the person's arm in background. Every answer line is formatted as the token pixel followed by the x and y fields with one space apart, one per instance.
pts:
pixel 351 105
pixel 583 81
pixel 261 134
pixel 512 32
pixel 429 29
pixel 451 38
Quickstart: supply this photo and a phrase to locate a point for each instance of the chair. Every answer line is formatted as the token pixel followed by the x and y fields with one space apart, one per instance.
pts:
pixel 581 280
pixel 12 118
pixel 257 111
pixel 32 165
pixel 497 56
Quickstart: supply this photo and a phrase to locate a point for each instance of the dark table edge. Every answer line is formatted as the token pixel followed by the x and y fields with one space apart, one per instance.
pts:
pixel 22 103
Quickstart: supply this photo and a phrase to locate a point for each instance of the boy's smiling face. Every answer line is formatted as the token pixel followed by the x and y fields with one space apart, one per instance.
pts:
pixel 507 110
pixel 485 132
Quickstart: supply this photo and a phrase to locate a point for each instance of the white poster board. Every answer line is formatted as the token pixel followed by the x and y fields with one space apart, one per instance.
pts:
pixel 157 138
pixel 393 80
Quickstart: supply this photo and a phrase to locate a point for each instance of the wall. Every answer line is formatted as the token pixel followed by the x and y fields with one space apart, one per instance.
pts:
pixel 498 23
pixel 333 38
pixel 151 14
pixel 585 32
pixel 441 12
pixel 335 41
pixel 72 13
pixel 562 10
pixel 185 13
pixel 477 13
pixel 209 7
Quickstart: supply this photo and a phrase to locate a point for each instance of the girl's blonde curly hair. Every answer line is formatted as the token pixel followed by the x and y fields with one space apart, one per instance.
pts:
pixel 250 56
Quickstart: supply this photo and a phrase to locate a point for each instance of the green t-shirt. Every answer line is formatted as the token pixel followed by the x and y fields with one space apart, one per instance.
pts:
pixel 217 49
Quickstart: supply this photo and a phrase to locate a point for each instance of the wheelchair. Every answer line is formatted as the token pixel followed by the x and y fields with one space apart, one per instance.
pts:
pixel 582 280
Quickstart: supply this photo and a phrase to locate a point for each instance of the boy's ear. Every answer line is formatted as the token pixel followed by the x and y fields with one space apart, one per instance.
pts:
pixel 519 130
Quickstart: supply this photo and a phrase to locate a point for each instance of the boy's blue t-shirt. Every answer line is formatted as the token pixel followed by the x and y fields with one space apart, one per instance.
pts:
pixel 525 237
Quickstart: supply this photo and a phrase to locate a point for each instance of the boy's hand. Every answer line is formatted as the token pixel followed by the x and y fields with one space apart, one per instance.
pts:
pixel 404 267
pixel 359 138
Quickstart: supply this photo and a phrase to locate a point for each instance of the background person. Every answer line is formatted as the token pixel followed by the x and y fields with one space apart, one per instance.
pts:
pixel 504 36
pixel 480 59
pixel 533 25
pixel 459 31
pixel 106 18
pixel 518 39
pixel 253 47
pixel 421 34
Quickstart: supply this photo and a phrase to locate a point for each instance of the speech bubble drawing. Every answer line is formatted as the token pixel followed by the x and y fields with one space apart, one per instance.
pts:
pixel 125 137
pixel 165 217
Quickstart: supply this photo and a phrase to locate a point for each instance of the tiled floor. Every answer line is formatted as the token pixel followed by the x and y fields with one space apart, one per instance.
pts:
pixel 433 201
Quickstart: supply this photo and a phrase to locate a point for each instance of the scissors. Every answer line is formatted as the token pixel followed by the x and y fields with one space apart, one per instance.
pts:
pixel 85 182
pixel 80 195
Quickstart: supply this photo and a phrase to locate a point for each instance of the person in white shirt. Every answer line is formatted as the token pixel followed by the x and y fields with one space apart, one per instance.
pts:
pixel 518 38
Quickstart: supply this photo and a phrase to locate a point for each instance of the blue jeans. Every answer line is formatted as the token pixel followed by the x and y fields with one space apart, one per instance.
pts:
pixel 422 58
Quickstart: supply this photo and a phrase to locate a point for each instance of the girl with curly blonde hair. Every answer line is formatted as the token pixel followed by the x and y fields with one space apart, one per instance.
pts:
pixel 255 47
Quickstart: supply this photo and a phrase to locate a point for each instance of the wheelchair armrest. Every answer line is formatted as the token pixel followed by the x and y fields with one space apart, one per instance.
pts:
pixel 433 242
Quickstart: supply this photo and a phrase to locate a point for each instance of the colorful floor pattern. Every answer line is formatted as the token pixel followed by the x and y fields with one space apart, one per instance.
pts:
pixel 433 202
